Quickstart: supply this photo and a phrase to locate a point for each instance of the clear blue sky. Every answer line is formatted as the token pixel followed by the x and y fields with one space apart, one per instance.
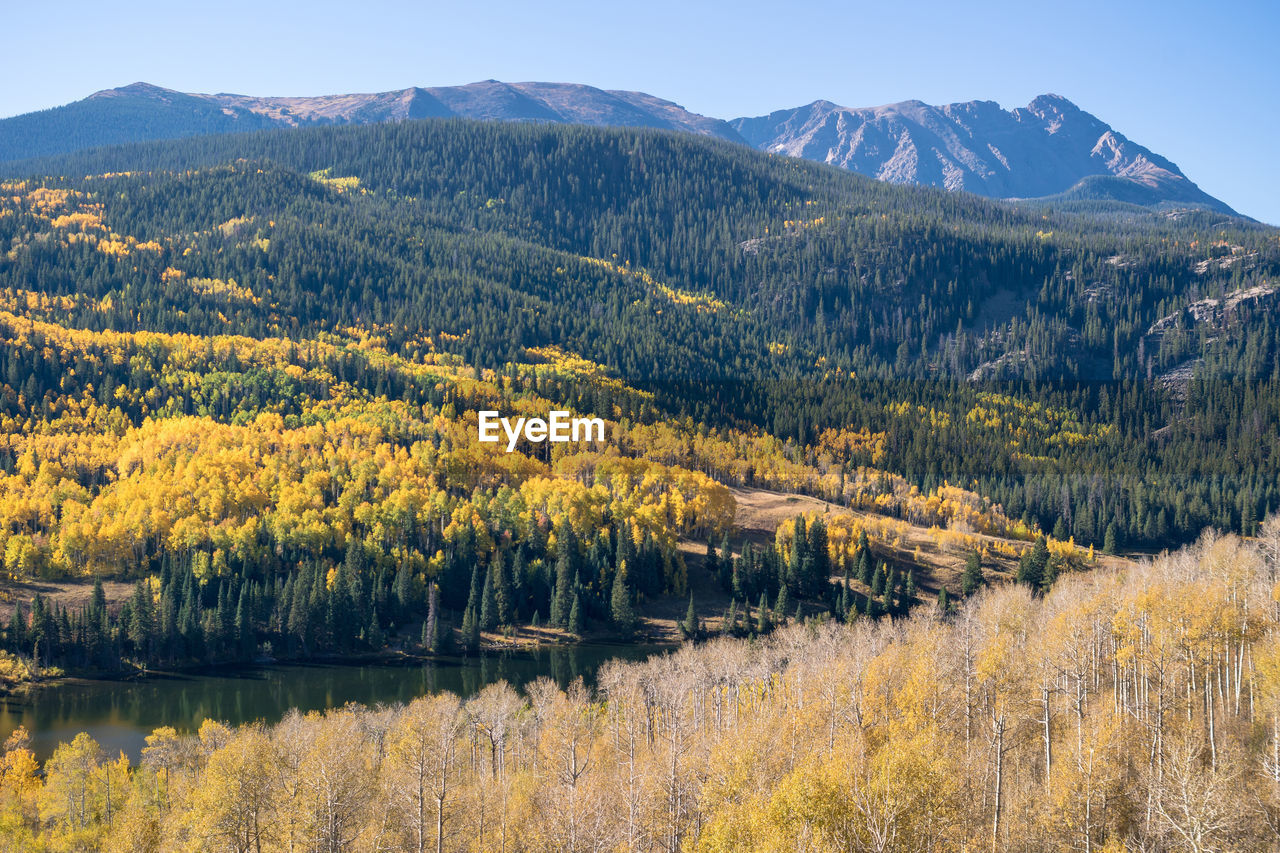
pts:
pixel 1197 82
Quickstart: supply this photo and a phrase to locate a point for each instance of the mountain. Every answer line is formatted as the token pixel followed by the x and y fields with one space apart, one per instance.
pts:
pixel 141 112
pixel 1048 148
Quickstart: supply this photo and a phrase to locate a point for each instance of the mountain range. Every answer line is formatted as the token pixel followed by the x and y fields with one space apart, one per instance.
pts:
pixel 1050 148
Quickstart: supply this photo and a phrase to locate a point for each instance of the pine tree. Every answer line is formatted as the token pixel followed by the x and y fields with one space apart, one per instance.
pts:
pixel 689 627
pixel 783 602
pixel 141 622
pixel 799 549
pixel 1051 569
pixel 17 636
pixel 972 579
pixel 620 610
pixel 944 601
pixel 402 591
pixel 98 601
pixel 909 589
pixel 726 559
pixel 299 611
pixel 1248 514
pixel 818 570
pixel 470 629
pixel 1031 566
pixel 562 597
pixel 477 589
pixel 864 565
pixel 504 594
pixel 244 628
pixel 433 628
pixel 712 561
pixel 763 623
pixel 488 602
pixel 1111 539
pixel 878 581
pixel 576 619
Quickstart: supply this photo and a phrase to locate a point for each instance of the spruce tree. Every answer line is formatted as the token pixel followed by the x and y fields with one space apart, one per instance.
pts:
pixel 503 593
pixel 944 601
pixel 806 578
pixel 878 581
pixel 488 602
pixel 972 578
pixel 819 568
pixel 576 619
pixel 1031 566
pixel 142 621
pixel 98 601
pixel 470 629
pixel 17 636
pixel 690 624
pixel 1051 569
pixel 799 548
pixel 477 589
pixel 620 610
pixel 726 558
pixel 433 628
pixel 781 605
pixel 1111 539
pixel 763 623
pixel 864 565
pixel 244 628
pixel 562 597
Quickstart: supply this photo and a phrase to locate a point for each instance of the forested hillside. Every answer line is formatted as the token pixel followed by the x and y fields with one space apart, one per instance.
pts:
pixel 1118 712
pixel 244 372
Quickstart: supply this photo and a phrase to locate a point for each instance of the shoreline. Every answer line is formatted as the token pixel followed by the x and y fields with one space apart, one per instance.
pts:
pixel 490 644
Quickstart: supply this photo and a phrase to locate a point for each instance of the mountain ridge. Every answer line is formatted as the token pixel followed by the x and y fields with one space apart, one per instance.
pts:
pixel 1048 149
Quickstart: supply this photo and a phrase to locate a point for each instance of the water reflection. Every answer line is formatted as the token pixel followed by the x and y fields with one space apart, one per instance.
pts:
pixel 119 715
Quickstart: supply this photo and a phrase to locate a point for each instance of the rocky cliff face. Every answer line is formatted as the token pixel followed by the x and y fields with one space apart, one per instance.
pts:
pixel 1045 148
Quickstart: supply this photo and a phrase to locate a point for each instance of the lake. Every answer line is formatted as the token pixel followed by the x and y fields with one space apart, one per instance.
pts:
pixel 120 714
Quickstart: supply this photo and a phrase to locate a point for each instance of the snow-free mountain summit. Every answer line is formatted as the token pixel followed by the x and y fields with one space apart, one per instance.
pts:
pixel 1049 148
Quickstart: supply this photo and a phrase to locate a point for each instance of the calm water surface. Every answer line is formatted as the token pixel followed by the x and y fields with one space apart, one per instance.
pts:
pixel 120 714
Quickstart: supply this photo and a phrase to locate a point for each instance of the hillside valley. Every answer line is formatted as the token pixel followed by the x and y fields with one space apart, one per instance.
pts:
pixel 242 376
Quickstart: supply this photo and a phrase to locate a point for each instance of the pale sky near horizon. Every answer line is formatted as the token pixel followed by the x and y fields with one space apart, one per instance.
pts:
pixel 1198 83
